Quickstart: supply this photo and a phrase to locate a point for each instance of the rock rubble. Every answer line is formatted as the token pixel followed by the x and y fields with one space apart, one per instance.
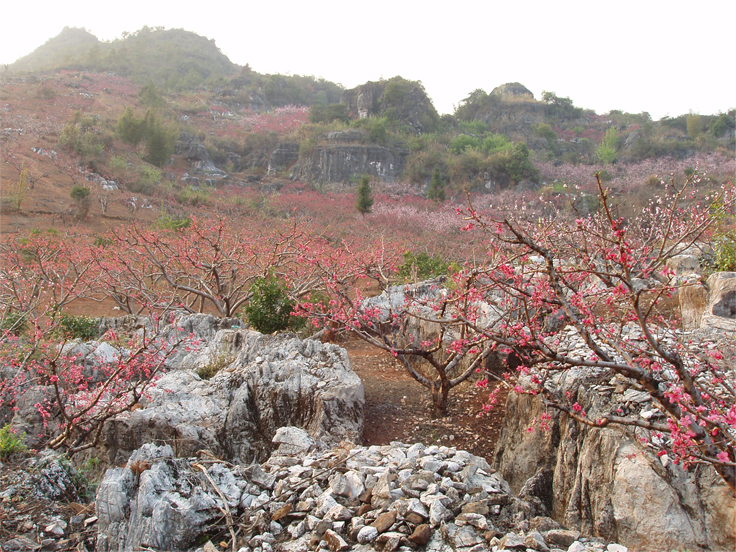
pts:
pixel 305 497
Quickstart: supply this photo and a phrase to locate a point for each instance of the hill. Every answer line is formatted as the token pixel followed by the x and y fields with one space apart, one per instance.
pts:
pixel 166 118
pixel 169 58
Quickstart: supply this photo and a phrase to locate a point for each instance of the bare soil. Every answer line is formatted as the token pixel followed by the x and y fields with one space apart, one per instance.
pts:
pixel 398 408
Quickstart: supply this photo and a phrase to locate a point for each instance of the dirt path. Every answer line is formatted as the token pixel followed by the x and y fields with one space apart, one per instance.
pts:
pixel 399 409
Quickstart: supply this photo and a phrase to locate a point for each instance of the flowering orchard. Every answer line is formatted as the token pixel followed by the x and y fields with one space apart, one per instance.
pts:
pixel 39 276
pixel 211 266
pixel 539 275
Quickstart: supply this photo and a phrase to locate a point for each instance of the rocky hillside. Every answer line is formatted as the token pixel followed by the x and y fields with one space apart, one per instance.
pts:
pixel 166 57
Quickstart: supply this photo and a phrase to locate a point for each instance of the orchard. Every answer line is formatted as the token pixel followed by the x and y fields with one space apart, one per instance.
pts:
pixel 516 279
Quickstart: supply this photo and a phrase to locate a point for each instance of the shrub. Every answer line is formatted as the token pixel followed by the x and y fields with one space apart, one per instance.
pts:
pixel 436 187
pixel 160 142
pixel 606 152
pixel 329 113
pixel 217 364
pixel 464 142
pixel 131 129
pixel 377 131
pixel 421 266
pixel 724 251
pixel 496 143
pixel 193 198
pixel 519 167
pixel 151 96
pixel 78 327
pixel 150 177
pixel 694 125
pixel 11 442
pixel 270 307
pixel 80 195
pixel 169 222
pixel 14 322
pixel 473 127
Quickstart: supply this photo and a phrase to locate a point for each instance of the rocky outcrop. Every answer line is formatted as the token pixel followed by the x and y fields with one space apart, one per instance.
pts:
pixel 303 498
pixel 603 482
pixel 196 153
pixel 264 382
pixel 283 157
pixel 513 90
pixel 720 311
pixel 692 295
pixel 336 162
pixel 404 101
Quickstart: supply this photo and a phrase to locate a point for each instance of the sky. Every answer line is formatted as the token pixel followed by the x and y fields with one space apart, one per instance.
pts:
pixel 663 57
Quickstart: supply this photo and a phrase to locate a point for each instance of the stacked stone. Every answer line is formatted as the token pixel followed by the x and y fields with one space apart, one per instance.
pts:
pixel 387 498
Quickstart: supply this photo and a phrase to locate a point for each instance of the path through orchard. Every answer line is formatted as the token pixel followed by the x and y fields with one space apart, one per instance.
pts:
pixel 399 409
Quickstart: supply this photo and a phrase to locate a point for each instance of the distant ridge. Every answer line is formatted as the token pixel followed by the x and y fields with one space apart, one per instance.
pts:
pixel 165 57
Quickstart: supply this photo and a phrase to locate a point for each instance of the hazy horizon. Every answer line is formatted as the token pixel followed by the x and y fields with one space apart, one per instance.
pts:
pixel 650 56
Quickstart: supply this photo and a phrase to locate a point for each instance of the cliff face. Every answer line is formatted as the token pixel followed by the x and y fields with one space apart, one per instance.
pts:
pixel 397 99
pixel 339 163
pixel 604 483
pixel 338 157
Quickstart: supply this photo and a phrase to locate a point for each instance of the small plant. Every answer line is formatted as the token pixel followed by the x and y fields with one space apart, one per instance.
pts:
pixel 14 322
pixel 11 441
pixel 270 307
pixel 78 327
pixel 193 198
pixel 420 266
pixel 169 222
pixel 219 362
pixel 86 478
pixel 724 249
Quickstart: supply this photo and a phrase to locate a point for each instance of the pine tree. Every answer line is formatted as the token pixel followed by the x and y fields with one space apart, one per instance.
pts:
pixel 160 141
pixel 365 197
pixel 436 187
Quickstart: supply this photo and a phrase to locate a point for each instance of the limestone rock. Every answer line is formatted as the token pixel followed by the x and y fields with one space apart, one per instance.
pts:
pixel 331 163
pixel 162 502
pixel 271 381
pixel 605 485
pixel 720 312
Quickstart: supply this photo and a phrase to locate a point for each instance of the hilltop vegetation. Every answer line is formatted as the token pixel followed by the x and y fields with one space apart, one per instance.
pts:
pixel 171 58
pixel 164 115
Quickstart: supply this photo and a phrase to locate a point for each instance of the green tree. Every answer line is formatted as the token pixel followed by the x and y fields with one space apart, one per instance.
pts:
pixel 694 125
pixel 607 150
pixel 151 96
pixel 436 187
pixel 130 129
pixel 160 141
pixel 270 308
pixel 364 201
pixel 80 195
pixel 721 125
pixel 519 167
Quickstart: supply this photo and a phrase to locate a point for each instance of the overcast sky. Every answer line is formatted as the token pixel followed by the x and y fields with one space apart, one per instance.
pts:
pixel 665 57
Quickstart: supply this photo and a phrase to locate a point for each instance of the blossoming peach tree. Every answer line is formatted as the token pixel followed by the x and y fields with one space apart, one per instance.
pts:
pixel 602 279
pixel 39 276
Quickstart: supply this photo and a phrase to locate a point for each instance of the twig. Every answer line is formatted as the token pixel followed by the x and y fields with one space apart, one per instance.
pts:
pixel 226 510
